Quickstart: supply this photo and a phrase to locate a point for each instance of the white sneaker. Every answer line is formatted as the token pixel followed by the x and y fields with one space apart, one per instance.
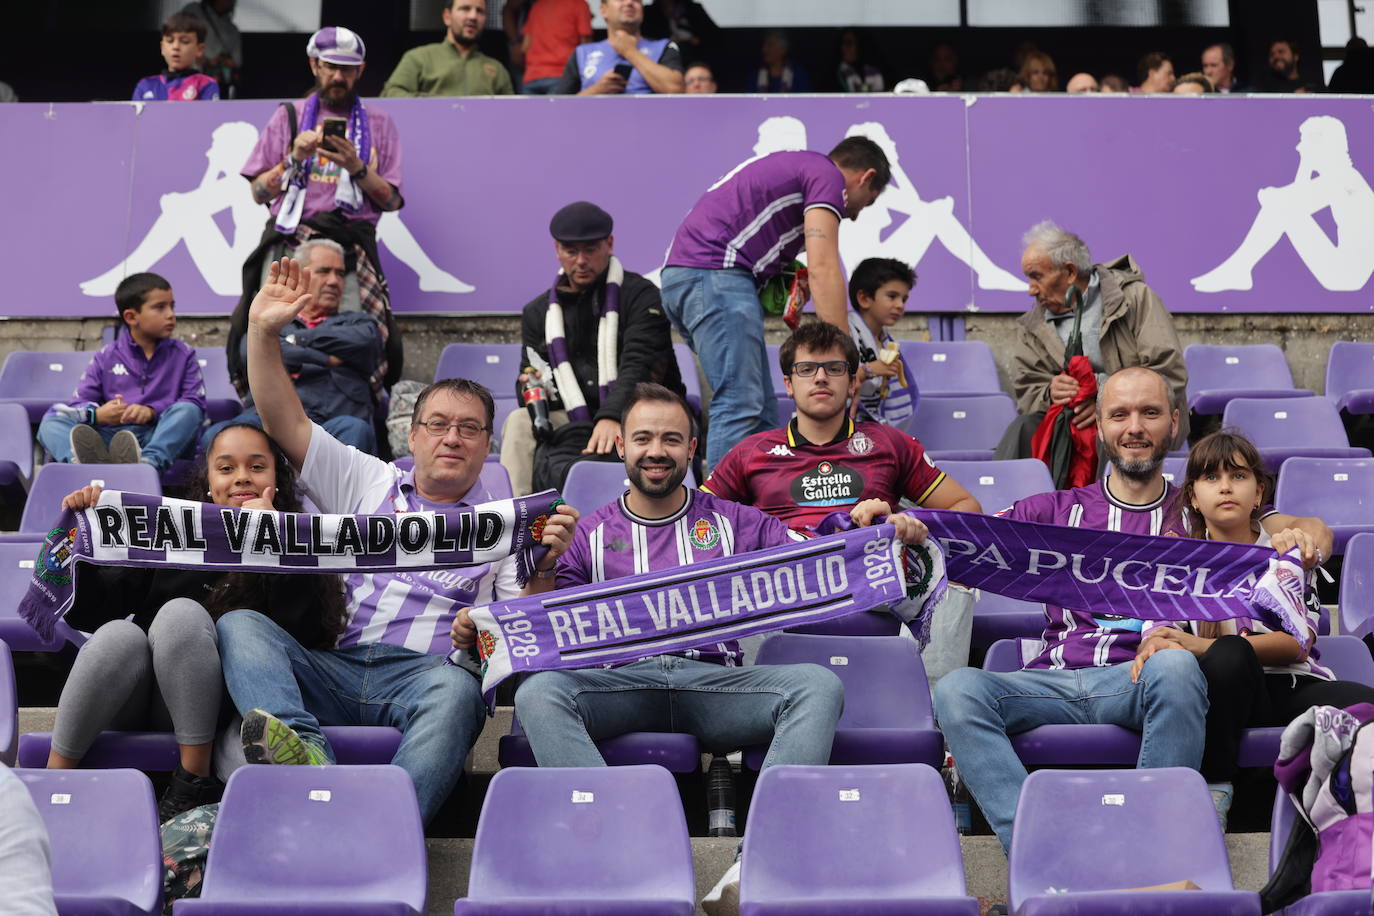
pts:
pixel 723 899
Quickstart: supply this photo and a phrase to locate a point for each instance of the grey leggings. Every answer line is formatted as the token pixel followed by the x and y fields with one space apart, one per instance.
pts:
pixel 124 679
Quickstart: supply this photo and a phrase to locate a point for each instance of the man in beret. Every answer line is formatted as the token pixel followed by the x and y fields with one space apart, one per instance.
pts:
pixel 590 338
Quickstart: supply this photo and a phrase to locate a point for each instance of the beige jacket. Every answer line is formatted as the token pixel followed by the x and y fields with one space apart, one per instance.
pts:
pixel 1136 331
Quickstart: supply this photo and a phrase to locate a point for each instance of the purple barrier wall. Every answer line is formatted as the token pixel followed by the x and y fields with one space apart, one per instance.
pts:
pixel 1228 204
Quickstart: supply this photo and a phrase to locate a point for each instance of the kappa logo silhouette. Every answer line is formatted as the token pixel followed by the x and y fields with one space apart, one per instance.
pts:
pixel 119 369
pixel 781 451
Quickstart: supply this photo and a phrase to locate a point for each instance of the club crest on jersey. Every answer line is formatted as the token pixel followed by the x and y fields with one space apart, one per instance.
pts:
pixel 830 484
pixel 704 535
pixel 54 562
pixel 860 444
pixel 619 545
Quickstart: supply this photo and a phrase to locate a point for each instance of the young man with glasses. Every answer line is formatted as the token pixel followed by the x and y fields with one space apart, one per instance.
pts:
pixel 389 665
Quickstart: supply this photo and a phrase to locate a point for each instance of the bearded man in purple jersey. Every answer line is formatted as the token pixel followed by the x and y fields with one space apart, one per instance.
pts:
pixel 1081 674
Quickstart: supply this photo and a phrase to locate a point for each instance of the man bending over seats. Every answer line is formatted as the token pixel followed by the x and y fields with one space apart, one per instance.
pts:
pixel 388 666
pixel 1082 673
pixel 659 524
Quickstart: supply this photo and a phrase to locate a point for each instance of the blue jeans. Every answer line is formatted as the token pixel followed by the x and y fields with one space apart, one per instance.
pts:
pixel 437 707
pixel 717 313
pixel 978 709
pixel 348 430
pixel 173 435
pixel 794 707
pixel 544 86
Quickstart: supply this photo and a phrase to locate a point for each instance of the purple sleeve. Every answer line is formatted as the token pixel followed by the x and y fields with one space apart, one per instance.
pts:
pixel 758 530
pixel 823 186
pixel 91 388
pixel 271 147
pixel 192 382
pixel 1037 508
pixel 574 567
pixel 386 149
pixel 210 91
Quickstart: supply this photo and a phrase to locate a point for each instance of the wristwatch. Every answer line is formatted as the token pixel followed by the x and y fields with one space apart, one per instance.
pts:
pixel 360 174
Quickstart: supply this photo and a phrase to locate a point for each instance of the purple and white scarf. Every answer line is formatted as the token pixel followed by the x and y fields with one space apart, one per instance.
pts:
pixel 297 174
pixel 131 529
pixel 607 342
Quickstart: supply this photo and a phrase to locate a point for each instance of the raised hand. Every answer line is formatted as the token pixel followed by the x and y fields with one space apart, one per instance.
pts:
pixel 281 298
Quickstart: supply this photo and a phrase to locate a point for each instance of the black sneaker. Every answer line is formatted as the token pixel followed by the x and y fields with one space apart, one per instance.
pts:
pixel 185 791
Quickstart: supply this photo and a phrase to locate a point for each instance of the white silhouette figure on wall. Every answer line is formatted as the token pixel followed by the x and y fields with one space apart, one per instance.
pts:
pixel 778 134
pixel 189 217
pixel 1326 178
pixel 925 222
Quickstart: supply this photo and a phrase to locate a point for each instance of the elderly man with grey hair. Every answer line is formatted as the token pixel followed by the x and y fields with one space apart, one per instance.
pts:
pixel 331 355
pixel 1123 324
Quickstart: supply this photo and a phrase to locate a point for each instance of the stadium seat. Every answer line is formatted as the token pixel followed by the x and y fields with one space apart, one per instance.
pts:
pixel 775 369
pixel 674 751
pixel 1338 491
pixel 573 840
pixel 996 485
pixel 16 452
pixel 54 481
pixel 857 840
pixel 1350 377
pixel 887 716
pixel 1218 373
pixel 687 367
pixel 222 401
pixel 494 365
pixel 1357 586
pixel 9 708
pixel 156 752
pixel 1283 428
pixel 961 427
pixel 106 850
pixel 1323 903
pixel 1132 829
pixel 337 839
pixel 16 571
pixel 949 367
pixel 36 379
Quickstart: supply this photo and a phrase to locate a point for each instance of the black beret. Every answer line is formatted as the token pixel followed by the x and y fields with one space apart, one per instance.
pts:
pixel 580 222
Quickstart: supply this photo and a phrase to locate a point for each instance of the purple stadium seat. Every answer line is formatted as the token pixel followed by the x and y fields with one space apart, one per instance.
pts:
pixel 222 401
pixel 946 367
pixel 335 839
pixel 1125 829
pixel 9 708
pixel 1357 586
pixel 156 752
pixel 674 751
pixel 887 714
pixel 1218 373
pixel 54 481
pixel 863 840
pixel 775 370
pixel 961 427
pixel 494 365
pixel 16 571
pixel 36 380
pixel 687 367
pixel 574 840
pixel 1338 491
pixel 106 850
pixel 1283 428
pixel 1325 903
pixel 16 452
pixel 1350 377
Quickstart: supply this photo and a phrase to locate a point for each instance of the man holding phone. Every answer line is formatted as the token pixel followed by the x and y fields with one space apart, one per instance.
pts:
pixel 626 61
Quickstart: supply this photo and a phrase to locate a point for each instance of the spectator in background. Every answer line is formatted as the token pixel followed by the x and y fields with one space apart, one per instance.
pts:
pixel 699 80
pixel 856 72
pixel 551 31
pixel 778 73
pixel 878 291
pixel 943 69
pixel 183 45
pixel 1155 73
pixel 1283 73
pixel 1081 84
pixel 683 22
pixel 1193 84
pixel 1003 79
pixel 7 94
pixel 1354 75
pixel 1038 73
pixel 1113 82
pixel 453 66
pixel 626 61
pixel 223 43
pixel 1219 66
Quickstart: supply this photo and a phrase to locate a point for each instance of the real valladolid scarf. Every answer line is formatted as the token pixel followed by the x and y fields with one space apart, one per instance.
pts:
pixel 607 342
pixel 131 529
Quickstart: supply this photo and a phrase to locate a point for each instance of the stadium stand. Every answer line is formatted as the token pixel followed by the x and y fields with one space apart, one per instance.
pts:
pixel 1357 586
pixel 1283 428
pixel 674 751
pixel 1350 377
pixel 1218 373
pixel 16 453
pixel 610 840
pixel 844 839
pixel 106 852
pixel 1338 491
pixel 494 365
pixel 961 427
pixel 948 367
pixel 222 401
pixel 38 379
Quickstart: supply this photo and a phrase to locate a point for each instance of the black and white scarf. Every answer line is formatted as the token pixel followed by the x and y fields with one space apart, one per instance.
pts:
pixel 607 340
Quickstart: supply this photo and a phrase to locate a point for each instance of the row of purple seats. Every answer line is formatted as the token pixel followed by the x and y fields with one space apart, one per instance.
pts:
pixel 1296 427
pixel 1339 491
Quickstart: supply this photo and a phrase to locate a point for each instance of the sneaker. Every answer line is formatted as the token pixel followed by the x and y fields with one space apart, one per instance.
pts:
pixel 1222 794
pixel 723 899
pixel 87 445
pixel 185 791
pixel 267 739
pixel 124 448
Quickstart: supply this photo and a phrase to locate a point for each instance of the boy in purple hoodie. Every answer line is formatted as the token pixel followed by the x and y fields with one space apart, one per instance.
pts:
pixel 142 397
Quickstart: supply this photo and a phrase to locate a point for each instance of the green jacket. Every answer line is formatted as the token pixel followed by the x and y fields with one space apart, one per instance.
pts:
pixel 439 69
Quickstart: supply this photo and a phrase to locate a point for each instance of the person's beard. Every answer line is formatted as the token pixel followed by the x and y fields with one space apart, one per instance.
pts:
pixel 329 94
pixel 459 40
pixel 1137 469
pixel 656 490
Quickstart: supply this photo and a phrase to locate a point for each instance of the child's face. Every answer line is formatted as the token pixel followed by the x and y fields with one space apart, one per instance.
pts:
pixel 181 50
pixel 157 319
pixel 1227 497
pixel 887 303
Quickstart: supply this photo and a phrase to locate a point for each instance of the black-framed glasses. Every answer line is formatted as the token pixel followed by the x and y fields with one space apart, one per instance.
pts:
pixel 468 429
pixel 833 368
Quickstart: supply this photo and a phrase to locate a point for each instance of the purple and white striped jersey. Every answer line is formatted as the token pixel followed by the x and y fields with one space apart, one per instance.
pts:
pixel 613 542
pixel 753 219
pixel 1093 638
pixel 412 609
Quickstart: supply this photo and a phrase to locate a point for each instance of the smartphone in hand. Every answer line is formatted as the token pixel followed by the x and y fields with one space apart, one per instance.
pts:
pixel 333 127
pixel 624 70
